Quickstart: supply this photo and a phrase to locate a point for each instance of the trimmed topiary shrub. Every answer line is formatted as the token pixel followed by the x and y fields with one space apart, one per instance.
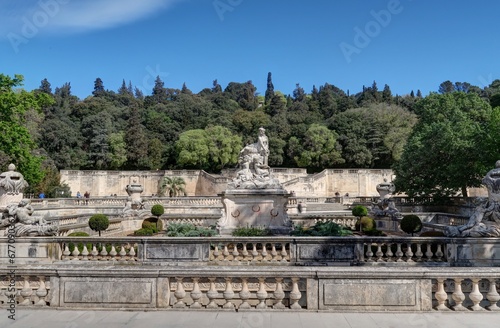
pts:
pixel 367 224
pixel 71 246
pixel 188 230
pixel 411 224
pixel 157 210
pixel 99 222
pixel 359 211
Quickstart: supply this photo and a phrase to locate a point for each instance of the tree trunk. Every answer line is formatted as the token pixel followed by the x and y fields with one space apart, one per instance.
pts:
pixel 464 191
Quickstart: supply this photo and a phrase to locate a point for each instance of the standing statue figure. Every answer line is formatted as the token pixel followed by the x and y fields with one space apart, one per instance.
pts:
pixel 263 146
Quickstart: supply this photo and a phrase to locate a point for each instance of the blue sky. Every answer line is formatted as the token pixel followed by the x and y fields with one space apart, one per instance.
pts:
pixel 407 44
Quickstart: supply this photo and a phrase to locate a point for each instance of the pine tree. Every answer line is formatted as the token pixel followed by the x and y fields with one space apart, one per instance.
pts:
pixel 412 94
pixel 159 90
pixel 419 93
pixel 138 93
pixel 45 87
pixel 123 89
pixel 136 141
pixel 270 89
pixel 185 89
pixel 387 94
pixel 298 93
pixel 98 88
pixel 216 87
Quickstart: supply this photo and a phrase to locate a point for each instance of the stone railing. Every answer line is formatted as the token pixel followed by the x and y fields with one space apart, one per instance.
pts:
pixel 252 288
pixel 368 251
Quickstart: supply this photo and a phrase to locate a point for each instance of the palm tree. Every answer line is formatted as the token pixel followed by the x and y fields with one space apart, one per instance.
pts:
pixel 173 186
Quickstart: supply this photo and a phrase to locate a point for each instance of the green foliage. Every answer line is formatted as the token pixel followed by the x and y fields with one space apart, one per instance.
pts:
pixel 152 224
pixel 189 230
pixel 359 211
pixel 157 210
pixel 367 223
pixel 445 151
pixel 172 186
pixel 78 234
pixel 250 232
pixel 328 228
pixel 144 232
pixel 411 224
pixel 99 222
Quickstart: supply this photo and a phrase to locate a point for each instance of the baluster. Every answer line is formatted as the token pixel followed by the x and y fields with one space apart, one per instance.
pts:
pixel 131 253
pixel 104 253
pixel 428 253
pixel 475 295
pixel 244 252
pixel 11 295
pixel 264 252
pixel 179 294
pixel 75 253
pixel 26 291
pixel 274 253
pixel 439 253
pixel 212 295
pixel 261 294
pixel 254 252
pixel 419 253
pixel 244 294
pixel 235 253
pixel 389 254
pixel 399 253
pixel 458 296
pixel 41 292
pixel 113 252
pixel 369 253
pixel 122 253
pixel 94 252
pixel 85 252
pixel 66 253
pixel 409 253
pixel 228 295
pixel 283 253
pixel 379 254
pixel 295 294
pixel 196 294
pixel 225 253
pixel 216 252
pixel 493 296
pixel 441 295
pixel 279 294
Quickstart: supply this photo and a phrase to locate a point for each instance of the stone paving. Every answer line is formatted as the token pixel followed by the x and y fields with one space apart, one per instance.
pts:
pixel 27 318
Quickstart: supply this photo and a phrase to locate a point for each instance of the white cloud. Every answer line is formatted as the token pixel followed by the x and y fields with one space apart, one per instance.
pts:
pixel 69 16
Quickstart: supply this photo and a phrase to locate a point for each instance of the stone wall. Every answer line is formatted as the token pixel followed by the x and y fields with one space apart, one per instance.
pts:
pixel 356 182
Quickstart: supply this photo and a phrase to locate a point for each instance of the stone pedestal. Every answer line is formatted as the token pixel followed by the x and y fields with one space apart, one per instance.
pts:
pixel 265 208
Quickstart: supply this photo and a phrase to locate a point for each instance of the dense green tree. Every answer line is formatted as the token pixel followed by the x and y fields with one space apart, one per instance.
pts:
pixel 270 88
pixel 243 94
pixel 192 149
pixel 223 147
pixel 98 88
pixel 118 150
pixel 45 87
pixel 319 148
pixel 443 155
pixel 16 143
pixel 387 94
pixel 136 141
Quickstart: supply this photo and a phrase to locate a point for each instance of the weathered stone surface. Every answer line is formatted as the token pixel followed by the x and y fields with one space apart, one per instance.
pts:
pixel 326 253
pixel 108 292
pixel 374 294
pixel 179 252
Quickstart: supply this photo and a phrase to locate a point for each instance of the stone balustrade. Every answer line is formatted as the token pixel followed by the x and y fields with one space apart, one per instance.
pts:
pixel 274 250
pixel 474 293
pixel 26 290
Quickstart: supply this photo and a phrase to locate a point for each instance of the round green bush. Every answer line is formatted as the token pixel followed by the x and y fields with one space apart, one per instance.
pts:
pixel 143 232
pixel 411 224
pixel 359 211
pixel 367 223
pixel 78 234
pixel 157 210
pixel 99 222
